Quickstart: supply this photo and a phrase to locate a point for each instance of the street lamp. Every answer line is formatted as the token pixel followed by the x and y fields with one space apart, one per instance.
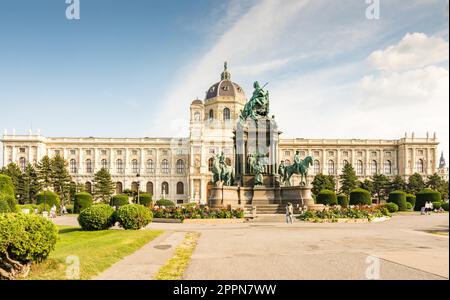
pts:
pixel 138 187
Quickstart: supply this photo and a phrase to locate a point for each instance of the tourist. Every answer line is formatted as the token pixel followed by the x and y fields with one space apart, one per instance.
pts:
pixel 53 212
pixel 289 213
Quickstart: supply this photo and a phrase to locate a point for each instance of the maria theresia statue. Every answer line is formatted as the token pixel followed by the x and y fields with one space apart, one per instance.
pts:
pixel 300 167
pixel 258 105
pixel 221 171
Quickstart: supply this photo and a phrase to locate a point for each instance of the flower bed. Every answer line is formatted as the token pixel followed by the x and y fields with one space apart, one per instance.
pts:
pixel 349 215
pixel 197 212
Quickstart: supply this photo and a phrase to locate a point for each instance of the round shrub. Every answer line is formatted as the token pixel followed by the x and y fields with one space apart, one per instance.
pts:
pixel 165 202
pixel 444 206
pixel 6 185
pixel 119 200
pixel 424 196
pixel 25 238
pixel 391 207
pixel 327 197
pixel 342 200
pixel 437 205
pixel 360 197
pixel 4 206
pixel 399 198
pixel 96 217
pixel 145 199
pixel 134 216
pixel 50 198
pixel 410 198
pixel 409 206
pixel 82 201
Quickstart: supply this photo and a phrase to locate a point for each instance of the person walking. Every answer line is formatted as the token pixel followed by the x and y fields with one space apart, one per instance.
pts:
pixel 289 213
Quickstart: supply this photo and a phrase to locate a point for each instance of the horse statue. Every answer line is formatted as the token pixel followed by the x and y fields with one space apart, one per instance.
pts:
pixel 300 168
pixel 221 171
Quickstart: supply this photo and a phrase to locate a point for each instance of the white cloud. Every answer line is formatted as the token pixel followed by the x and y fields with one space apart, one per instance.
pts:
pixel 414 51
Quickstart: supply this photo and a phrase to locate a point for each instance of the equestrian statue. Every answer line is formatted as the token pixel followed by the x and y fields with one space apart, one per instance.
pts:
pixel 300 167
pixel 221 171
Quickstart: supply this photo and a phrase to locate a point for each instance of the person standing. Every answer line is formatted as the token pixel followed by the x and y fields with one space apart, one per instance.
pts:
pixel 289 213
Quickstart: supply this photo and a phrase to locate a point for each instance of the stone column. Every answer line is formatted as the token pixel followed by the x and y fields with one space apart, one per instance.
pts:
pixel 13 149
pixel 382 161
pixel 80 157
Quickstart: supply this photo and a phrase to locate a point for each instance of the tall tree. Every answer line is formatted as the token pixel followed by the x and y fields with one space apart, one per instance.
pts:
pixel 380 186
pixel 103 186
pixel 434 181
pixel 398 184
pixel 61 178
pixel 29 185
pixel 323 182
pixel 443 189
pixel 367 185
pixel 45 171
pixel 348 179
pixel 415 183
pixel 12 170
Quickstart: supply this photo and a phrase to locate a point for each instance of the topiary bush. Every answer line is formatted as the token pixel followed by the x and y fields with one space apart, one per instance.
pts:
pixel 444 206
pixel 4 206
pixel 119 200
pixel 391 207
pixel 342 200
pixel 360 197
pixel 437 205
pixel 409 206
pixel 24 238
pixel 327 197
pixel 6 185
pixel 426 195
pixel 97 217
pixel 165 202
pixel 399 198
pixel 145 199
pixel 410 198
pixel 82 201
pixel 134 216
pixel 50 198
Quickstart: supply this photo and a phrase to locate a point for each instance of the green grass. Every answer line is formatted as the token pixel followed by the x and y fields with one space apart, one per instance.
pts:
pixel 96 250
pixel 175 267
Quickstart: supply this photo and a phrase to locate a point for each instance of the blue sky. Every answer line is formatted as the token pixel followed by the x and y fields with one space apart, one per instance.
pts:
pixel 131 68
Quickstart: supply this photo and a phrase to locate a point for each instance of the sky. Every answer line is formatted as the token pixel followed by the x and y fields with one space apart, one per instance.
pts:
pixel 131 68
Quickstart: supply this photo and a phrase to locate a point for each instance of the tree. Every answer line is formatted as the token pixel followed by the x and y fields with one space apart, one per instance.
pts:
pixel 398 184
pixel 44 172
pixel 367 185
pixel 60 178
pixel 13 171
pixel 380 186
pixel 323 182
pixel 348 179
pixel 103 186
pixel 434 181
pixel 415 183
pixel 29 185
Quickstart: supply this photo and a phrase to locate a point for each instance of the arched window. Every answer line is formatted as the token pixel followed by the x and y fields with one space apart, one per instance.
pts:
pixel 88 187
pixel 373 167
pixel 164 189
pixel 359 167
pixel 197 116
pixel 180 188
pixel 88 166
pixel 180 166
pixel 316 167
pixel 330 167
pixel 134 186
pixel 210 164
pixel 119 166
pixel 211 114
pixel 135 166
pixel 150 188
pixel 119 188
pixel 22 164
pixel 104 164
pixel 165 166
pixel 387 167
pixel 150 166
pixel 420 167
pixel 73 166
pixel 226 114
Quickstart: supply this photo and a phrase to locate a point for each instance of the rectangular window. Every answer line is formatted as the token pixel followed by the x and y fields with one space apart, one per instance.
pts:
pixel 57 152
pixel 165 152
pixel 287 153
pixel 316 153
pixel 149 152
pixel 180 201
pixel 119 152
pixel 134 152
pixel 22 150
pixel 72 152
pixel 103 152
pixel 88 152
pixel 330 153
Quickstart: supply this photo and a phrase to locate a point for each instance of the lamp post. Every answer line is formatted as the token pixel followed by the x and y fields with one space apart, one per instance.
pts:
pixel 138 187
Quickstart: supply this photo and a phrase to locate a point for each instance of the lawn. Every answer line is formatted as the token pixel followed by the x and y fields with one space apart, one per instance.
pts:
pixel 96 251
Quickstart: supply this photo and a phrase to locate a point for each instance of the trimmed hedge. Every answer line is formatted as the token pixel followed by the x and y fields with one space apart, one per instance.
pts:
pixel 82 201
pixel 97 217
pixel 410 198
pixel 327 197
pixel 426 195
pixel 8 201
pixel 119 200
pixel 399 198
pixel 25 238
pixel 360 197
pixel 409 206
pixel 391 207
pixel 145 199
pixel 50 199
pixel 343 200
pixel 165 203
pixel 444 206
pixel 134 216
pixel 437 205
pixel 6 185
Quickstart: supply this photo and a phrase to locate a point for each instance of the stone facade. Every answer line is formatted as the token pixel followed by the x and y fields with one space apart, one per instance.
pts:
pixel 179 169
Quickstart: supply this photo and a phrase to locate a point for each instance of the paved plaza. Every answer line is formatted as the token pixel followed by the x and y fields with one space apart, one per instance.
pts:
pixel 404 245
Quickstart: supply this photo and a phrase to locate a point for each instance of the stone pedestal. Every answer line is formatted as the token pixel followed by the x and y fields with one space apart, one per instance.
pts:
pixel 297 195
pixel 263 195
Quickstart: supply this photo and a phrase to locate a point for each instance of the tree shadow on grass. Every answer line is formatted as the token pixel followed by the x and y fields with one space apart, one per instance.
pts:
pixel 68 230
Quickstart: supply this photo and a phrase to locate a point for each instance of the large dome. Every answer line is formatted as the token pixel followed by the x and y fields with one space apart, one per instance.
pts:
pixel 225 87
